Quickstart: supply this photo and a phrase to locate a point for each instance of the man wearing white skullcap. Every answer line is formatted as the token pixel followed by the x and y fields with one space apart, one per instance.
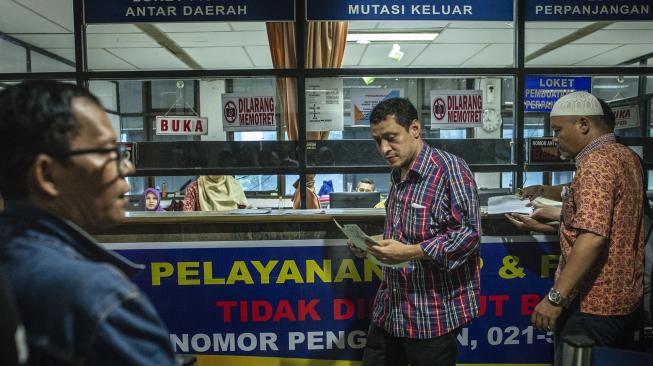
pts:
pixel 598 288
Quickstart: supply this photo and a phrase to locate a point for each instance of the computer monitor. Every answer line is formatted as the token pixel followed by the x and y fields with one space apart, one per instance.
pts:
pixel 354 199
pixel 135 203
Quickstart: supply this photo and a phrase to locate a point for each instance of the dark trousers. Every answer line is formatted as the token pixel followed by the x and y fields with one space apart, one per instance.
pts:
pixel 606 331
pixel 384 349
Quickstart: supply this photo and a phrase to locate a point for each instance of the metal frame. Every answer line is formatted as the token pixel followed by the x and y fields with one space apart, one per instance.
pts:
pixel 519 72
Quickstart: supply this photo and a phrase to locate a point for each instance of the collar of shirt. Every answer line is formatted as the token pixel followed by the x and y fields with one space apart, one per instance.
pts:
pixel 69 233
pixel 418 166
pixel 608 138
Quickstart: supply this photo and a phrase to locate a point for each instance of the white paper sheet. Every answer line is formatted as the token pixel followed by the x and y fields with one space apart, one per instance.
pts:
pixel 506 204
pixel 358 237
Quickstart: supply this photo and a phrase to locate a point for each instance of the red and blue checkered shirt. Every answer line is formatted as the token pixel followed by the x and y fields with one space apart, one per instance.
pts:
pixel 436 206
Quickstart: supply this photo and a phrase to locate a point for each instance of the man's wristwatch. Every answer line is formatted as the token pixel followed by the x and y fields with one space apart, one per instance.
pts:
pixel 555 298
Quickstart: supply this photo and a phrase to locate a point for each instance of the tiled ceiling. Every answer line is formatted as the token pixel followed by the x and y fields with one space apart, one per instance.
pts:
pixel 49 24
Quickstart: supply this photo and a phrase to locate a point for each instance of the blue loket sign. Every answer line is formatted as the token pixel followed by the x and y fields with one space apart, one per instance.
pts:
pixel 542 91
pixel 499 10
pixel 588 10
pixel 166 11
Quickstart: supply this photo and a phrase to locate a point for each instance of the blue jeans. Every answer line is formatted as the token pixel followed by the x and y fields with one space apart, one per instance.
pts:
pixel 384 349
pixel 606 331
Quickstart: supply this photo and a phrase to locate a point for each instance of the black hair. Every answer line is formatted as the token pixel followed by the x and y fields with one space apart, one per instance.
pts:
pixel 35 117
pixel 401 108
pixel 608 114
pixel 366 181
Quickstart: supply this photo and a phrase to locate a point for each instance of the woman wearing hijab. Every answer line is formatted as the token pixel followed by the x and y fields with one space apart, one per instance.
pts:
pixel 214 193
pixel 152 200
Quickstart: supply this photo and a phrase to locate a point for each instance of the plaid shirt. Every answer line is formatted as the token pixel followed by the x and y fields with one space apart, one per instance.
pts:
pixel 436 206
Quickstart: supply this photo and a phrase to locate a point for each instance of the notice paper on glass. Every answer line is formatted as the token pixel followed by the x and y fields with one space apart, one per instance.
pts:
pixel 359 239
pixel 507 204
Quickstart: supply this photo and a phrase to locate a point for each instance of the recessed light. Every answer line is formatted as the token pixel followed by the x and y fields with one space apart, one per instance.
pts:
pixel 390 37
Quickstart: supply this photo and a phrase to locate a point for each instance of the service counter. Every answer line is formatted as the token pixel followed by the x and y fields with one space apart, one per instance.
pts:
pixel 280 287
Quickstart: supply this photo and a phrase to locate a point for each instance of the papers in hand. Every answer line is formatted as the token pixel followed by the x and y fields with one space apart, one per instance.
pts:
pixel 507 204
pixel 360 240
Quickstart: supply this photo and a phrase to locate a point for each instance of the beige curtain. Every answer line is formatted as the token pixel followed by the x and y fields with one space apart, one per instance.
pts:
pixel 325 48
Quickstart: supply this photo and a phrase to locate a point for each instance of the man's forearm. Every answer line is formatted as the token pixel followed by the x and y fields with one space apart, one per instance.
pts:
pixel 587 247
pixel 552 192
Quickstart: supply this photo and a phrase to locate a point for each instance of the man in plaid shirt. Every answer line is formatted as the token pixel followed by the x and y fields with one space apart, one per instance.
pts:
pixel 432 221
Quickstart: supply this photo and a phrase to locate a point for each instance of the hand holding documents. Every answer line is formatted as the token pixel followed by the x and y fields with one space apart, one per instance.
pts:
pixel 507 204
pixel 361 240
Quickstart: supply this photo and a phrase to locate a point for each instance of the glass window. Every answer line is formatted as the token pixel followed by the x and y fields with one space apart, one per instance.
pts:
pixel 40 30
pixel 586 43
pixel 178 46
pixel 449 44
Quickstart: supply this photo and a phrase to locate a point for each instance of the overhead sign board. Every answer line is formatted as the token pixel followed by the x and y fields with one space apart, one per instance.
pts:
pixel 182 125
pixel 248 112
pixel 456 108
pixel 588 10
pixel 499 10
pixel 626 117
pixel 542 91
pixel 163 11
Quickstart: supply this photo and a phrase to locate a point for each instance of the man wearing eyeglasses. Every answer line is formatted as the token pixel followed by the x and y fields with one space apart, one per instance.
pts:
pixel 62 174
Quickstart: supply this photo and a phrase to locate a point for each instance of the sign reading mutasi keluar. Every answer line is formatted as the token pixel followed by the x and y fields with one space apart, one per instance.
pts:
pixel 162 11
pixel 590 10
pixel 542 91
pixel 499 10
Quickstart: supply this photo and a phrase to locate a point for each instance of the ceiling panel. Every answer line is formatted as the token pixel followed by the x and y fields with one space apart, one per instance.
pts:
pixel 149 58
pixel 193 27
pixel 618 55
pixel 480 25
pixel 112 28
pixel 353 53
pixel 220 57
pixel 495 55
pixel 248 26
pixel 475 36
pixel 67 53
pixel 17 19
pixel 631 25
pixel 412 25
pixel 99 59
pixel 569 55
pixel 619 37
pixel 547 35
pixel 358 25
pixel 42 63
pixel 557 25
pixel 48 40
pixel 446 54
pixel 12 57
pixel 260 55
pixel 122 40
pixel 58 11
pixel 377 55
pixel 220 39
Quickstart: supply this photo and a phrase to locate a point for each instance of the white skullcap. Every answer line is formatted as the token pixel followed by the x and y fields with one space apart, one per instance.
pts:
pixel 578 103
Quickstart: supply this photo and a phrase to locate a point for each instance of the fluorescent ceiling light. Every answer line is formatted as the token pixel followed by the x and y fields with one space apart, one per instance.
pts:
pixel 390 37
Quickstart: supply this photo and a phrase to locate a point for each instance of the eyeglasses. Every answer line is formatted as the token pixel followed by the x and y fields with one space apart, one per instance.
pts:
pixel 122 155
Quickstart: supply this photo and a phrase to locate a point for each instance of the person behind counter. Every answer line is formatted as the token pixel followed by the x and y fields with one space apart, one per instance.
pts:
pixel 62 174
pixel 153 200
pixel 419 311
pixel 214 193
pixel 598 289
pixel 365 185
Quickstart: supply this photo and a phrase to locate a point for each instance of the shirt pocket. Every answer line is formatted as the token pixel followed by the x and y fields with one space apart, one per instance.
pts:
pixel 422 224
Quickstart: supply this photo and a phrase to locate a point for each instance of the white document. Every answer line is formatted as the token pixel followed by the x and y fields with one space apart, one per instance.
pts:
pixel 507 204
pixel 358 237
